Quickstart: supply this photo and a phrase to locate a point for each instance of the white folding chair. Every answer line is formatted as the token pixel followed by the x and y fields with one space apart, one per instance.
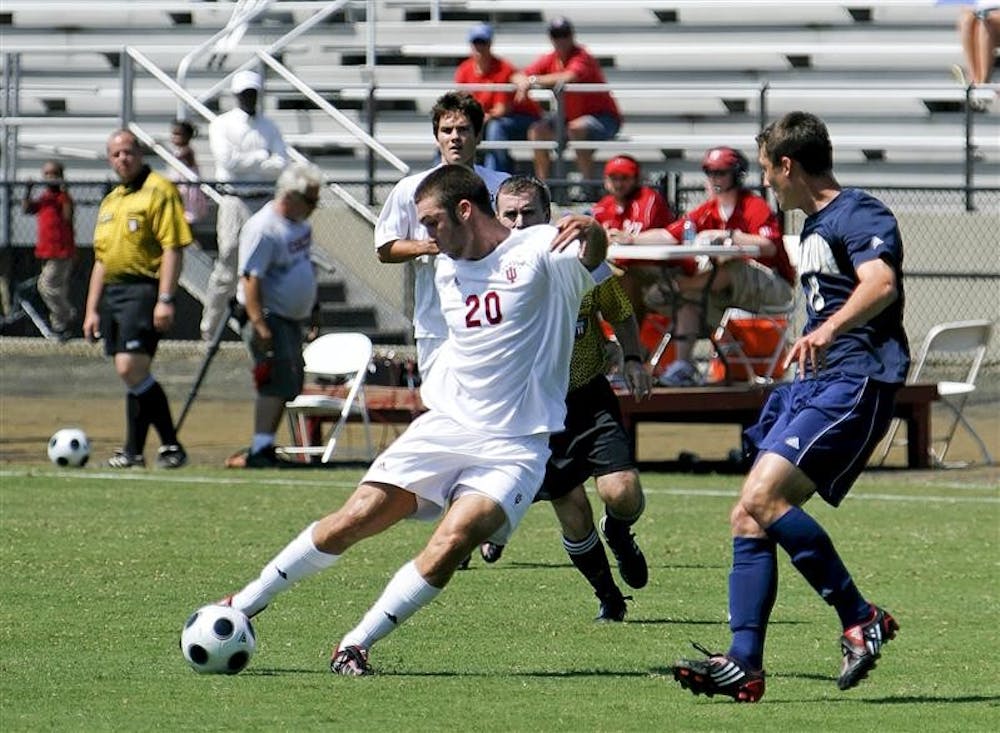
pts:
pixel 336 358
pixel 961 342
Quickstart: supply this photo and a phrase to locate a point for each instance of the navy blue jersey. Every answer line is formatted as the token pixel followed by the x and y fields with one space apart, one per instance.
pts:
pixel 851 230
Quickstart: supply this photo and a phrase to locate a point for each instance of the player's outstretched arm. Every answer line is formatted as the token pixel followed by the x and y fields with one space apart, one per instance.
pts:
pixel 592 237
pixel 404 250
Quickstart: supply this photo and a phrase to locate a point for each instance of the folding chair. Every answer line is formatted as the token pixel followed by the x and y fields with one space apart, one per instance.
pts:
pixel 752 346
pixel 336 358
pixel 964 342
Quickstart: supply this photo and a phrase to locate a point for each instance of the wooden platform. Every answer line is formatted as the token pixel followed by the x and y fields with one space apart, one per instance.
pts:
pixel 742 405
pixel 708 405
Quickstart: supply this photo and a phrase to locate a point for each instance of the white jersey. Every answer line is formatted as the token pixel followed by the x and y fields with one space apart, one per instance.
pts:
pixel 511 319
pixel 398 220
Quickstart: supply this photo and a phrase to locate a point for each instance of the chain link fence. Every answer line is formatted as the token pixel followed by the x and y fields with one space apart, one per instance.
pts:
pixel 952 263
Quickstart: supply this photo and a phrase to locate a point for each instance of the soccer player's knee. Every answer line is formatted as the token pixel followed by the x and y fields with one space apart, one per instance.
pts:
pixel 758 498
pixel 741 523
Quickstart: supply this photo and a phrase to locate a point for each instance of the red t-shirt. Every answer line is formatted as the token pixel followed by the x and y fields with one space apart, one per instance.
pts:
pixel 645 209
pixel 588 71
pixel 499 72
pixel 55 235
pixel 751 215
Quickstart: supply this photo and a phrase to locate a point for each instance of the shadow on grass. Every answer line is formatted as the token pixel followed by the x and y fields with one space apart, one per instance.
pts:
pixel 896 700
pixel 703 622
pixel 542 674
pixel 526 565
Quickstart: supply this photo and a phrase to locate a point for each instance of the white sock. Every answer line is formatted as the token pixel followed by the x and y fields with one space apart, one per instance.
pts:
pixel 406 594
pixel 261 441
pixel 298 560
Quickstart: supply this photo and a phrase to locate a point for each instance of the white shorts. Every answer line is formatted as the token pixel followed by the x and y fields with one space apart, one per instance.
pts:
pixel 438 460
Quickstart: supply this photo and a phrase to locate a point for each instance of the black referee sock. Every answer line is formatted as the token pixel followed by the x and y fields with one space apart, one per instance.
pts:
pixel 157 409
pixel 591 560
pixel 136 425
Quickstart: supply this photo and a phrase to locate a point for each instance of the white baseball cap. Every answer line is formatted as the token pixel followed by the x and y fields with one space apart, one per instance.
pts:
pixel 247 79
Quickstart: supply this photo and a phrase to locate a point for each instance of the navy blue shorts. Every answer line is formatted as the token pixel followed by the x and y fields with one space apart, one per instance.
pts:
pixel 127 318
pixel 594 442
pixel 828 426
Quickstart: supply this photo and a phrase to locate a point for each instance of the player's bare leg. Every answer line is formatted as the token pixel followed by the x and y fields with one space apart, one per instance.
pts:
pixel 624 504
pixel 585 550
pixel 371 509
pixel 470 520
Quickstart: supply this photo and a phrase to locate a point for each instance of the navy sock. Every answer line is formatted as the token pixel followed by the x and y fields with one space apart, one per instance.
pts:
pixel 813 555
pixel 753 586
pixel 136 426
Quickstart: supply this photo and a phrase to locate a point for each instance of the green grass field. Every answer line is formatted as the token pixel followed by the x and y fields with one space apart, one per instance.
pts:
pixel 100 571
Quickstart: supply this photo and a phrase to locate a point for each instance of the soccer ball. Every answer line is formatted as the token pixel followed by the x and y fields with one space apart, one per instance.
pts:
pixel 69 447
pixel 218 640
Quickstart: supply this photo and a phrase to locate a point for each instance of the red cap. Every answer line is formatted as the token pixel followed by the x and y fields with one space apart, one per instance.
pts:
pixel 622 165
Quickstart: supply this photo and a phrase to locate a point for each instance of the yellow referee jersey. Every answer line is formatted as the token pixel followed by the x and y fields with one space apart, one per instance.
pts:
pixel 609 300
pixel 135 225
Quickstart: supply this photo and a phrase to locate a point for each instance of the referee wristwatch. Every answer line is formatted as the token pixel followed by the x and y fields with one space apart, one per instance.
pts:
pixel 166 298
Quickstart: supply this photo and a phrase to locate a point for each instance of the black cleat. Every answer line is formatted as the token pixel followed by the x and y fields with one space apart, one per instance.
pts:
pixel 861 646
pixel 123 459
pixel 351 661
pixel 631 562
pixel 612 608
pixel 491 552
pixel 171 456
pixel 719 674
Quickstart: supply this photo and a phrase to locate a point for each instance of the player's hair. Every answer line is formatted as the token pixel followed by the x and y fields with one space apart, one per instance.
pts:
pixel 58 166
pixel 298 178
pixel 519 184
pixel 189 129
pixel 451 184
pixel 462 103
pixel 800 136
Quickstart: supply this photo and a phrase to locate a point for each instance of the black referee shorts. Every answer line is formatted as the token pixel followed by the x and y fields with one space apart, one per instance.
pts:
pixel 594 442
pixel 127 318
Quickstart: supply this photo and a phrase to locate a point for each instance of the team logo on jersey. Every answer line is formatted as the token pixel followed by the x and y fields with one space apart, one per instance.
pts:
pixel 517 499
pixel 511 273
pixel 133 225
pixel 876 242
pixel 792 442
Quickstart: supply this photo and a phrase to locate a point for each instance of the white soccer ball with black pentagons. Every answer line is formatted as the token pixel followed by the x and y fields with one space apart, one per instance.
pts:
pixel 218 640
pixel 69 447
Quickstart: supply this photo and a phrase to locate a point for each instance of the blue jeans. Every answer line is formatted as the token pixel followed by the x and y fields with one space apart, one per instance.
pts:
pixel 510 127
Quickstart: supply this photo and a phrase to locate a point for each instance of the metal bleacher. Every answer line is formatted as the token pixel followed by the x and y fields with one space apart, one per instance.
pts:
pixel 876 70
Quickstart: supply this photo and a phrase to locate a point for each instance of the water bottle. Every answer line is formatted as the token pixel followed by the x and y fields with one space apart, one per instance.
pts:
pixel 689 233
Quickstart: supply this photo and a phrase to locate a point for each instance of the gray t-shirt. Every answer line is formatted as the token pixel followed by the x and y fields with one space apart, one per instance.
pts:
pixel 276 251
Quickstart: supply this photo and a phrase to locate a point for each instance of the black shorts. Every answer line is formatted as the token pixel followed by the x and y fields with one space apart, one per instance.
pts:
pixel 281 373
pixel 594 442
pixel 127 318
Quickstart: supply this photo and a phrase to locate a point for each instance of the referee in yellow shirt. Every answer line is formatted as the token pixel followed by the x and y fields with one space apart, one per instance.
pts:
pixel 138 254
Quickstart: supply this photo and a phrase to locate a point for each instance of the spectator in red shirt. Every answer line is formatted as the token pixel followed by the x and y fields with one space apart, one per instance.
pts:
pixel 506 118
pixel 630 208
pixel 587 115
pixel 732 215
pixel 54 245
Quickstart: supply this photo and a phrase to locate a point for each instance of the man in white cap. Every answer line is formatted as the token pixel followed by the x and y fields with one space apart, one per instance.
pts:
pixel 249 155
